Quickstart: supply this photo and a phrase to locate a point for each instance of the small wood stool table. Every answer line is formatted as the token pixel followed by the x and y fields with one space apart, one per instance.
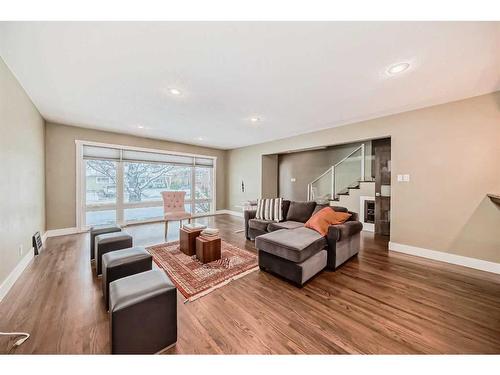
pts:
pixel 187 242
pixel 208 250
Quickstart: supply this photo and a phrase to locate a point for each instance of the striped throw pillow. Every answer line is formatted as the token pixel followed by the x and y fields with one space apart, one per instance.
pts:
pixel 269 209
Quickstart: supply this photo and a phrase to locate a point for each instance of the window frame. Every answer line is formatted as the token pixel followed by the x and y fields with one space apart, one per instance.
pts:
pixel 121 205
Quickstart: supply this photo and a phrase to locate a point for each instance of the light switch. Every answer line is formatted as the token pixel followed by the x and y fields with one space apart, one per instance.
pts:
pixel 406 178
pixel 400 177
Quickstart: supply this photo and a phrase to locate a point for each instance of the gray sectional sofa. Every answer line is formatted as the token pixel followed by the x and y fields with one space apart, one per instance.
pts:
pixel 297 253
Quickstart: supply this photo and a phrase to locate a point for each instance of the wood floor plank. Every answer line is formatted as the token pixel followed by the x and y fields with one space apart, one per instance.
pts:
pixel 378 302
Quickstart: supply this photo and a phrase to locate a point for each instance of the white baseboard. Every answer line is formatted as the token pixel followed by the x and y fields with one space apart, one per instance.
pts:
pixel 368 227
pixel 61 232
pixel 229 212
pixel 459 260
pixel 15 273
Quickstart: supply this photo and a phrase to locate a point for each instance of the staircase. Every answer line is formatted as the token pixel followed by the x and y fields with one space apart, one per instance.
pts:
pixel 352 198
pixel 340 179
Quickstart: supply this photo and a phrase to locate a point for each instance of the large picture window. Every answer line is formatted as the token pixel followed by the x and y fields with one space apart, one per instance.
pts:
pixel 124 185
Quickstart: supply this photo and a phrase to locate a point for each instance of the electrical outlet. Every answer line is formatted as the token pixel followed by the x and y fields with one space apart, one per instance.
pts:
pixel 400 177
pixel 20 250
pixel 406 178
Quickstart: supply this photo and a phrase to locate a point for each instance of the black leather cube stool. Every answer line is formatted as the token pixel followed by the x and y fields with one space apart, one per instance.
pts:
pixel 104 243
pixel 143 313
pixel 122 263
pixel 95 231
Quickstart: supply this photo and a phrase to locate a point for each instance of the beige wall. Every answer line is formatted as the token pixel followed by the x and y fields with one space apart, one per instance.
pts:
pixel 451 151
pixel 61 160
pixel 22 210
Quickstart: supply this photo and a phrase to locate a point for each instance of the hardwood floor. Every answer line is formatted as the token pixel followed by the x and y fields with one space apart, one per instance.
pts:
pixel 379 302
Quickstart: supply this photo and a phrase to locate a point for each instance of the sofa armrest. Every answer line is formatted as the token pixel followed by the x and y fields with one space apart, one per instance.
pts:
pixel 248 214
pixel 338 233
pixel 354 216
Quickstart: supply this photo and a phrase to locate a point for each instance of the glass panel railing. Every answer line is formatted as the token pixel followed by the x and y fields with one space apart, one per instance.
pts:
pixel 349 172
pixel 321 189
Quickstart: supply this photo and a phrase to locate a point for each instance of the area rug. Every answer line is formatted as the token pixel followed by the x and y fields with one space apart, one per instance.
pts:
pixel 195 279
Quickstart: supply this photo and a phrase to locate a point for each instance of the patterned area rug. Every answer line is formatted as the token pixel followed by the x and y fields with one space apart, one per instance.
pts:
pixel 195 279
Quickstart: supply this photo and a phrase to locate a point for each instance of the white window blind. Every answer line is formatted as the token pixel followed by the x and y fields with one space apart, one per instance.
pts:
pixel 141 156
pixel 94 152
pixel 205 162
pixel 110 153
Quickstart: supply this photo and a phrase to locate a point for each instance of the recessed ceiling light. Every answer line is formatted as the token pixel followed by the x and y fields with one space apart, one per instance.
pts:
pixel 398 68
pixel 174 91
pixel 140 126
pixel 199 138
pixel 254 119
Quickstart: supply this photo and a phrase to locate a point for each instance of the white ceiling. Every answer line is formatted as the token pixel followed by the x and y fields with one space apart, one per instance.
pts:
pixel 296 76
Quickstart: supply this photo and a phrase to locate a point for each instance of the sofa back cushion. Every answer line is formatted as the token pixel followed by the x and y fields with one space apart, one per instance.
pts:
pixel 321 220
pixel 300 211
pixel 319 207
pixel 269 209
pixel 285 207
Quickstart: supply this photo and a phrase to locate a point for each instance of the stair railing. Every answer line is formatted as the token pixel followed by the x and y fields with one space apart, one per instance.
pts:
pixel 332 170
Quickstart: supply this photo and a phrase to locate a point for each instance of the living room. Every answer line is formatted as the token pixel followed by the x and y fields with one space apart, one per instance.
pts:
pixel 261 187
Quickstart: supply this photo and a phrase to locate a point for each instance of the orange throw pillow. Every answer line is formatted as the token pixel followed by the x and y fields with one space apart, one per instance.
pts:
pixel 322 219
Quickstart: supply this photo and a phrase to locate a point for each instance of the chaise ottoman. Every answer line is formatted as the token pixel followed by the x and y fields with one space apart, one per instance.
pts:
pixel 294 254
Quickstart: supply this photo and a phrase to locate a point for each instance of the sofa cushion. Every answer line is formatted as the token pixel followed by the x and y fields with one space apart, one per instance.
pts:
pixel 321 220
pixel 295 245
pixel 300 211
pixel 259 224
pixel 284 225
pixel 270 209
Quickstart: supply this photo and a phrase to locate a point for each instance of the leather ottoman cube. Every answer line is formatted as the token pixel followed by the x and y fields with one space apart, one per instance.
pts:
pixel 104 243
pixel 143 313
pixel 122 263
pixel 95 231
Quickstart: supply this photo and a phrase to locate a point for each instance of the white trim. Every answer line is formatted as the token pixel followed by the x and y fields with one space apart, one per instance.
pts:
pixel 63 232
pixel 459 260
pixel 214 186
pixel 79 170
pixel 15 273
pixel 368 227
pixel 229 212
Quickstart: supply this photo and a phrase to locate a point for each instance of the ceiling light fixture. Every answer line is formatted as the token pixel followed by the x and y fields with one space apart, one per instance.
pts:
pixel 200 138
pixel 398 68
pixel 140 126
pixel 175 91
pixel 254 119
